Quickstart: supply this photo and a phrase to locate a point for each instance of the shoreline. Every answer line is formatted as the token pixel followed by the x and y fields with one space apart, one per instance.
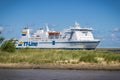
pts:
pixel 60 59
pixel 80 66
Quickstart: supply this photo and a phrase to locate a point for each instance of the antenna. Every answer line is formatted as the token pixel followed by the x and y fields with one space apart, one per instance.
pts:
pixel 77 25
pixel 47 29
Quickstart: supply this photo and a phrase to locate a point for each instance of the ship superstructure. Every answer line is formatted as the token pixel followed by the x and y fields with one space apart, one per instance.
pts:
pixel 73 38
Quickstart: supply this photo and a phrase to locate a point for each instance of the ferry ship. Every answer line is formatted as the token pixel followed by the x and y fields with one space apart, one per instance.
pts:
pixel 72 38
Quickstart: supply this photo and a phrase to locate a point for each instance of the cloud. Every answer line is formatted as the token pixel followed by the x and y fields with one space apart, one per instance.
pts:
pixel 116 30
pixel 115 37
pixel 1 29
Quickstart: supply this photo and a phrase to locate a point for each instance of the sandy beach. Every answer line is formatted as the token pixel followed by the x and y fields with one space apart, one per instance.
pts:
pixel 80 66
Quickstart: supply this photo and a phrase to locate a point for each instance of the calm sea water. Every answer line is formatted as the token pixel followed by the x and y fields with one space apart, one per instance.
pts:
pixel 44 74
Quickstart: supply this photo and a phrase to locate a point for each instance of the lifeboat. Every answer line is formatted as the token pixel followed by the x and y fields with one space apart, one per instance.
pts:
pixel 53 33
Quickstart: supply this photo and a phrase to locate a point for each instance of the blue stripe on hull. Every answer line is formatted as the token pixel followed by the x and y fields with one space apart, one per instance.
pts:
pixel 71 48
pixel 69 42
pixel 63 48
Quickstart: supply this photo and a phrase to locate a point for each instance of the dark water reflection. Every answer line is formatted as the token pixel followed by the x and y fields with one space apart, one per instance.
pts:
pixel 40 74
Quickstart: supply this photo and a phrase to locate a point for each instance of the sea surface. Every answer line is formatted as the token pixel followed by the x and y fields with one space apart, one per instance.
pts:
pixel 46 74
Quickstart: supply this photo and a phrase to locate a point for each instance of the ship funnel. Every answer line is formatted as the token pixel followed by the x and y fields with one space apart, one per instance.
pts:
pixel 47 29
pixel 26 32
pixel 77 26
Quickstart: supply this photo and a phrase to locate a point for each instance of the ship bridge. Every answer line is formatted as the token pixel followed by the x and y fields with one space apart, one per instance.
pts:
pixel 80 34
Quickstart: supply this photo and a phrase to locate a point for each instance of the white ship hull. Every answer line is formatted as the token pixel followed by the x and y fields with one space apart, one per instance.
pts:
pixel 62 45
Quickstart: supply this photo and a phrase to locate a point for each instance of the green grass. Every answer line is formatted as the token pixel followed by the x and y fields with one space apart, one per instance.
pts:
pixel 37 56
